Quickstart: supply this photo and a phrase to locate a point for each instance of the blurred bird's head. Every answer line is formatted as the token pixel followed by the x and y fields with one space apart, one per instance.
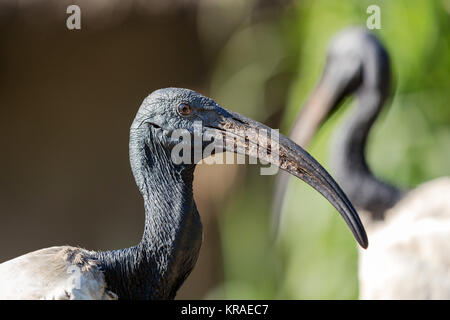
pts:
pixel 355 59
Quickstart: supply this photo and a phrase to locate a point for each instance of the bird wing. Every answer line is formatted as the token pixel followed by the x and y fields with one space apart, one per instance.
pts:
pixel 60 273
pixel 408 257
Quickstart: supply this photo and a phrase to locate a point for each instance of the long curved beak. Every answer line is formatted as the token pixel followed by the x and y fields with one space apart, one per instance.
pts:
pixel 249 137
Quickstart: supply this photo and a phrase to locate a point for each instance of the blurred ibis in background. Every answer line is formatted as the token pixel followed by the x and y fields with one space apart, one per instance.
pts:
pixel 409 230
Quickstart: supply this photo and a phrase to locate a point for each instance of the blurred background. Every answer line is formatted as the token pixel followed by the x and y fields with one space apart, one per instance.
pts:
pixel 68 97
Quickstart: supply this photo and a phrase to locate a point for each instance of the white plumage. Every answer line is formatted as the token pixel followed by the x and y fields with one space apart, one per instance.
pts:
pixel 62 273
pixel 409 255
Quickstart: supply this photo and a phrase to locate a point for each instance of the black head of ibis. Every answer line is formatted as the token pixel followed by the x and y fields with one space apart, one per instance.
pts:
pixel 159 264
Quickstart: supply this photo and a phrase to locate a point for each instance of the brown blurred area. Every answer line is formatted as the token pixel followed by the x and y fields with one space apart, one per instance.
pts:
pixel 67 99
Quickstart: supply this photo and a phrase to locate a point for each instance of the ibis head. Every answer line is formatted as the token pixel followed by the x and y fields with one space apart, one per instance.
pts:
pixel 357 63
pixel 173 112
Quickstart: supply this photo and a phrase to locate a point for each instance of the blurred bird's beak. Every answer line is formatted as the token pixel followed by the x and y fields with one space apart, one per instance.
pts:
pixel 312 115
pixel 254 139
pixel 327 95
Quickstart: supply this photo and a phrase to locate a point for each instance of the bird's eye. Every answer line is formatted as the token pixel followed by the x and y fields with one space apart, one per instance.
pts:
pixel 184 109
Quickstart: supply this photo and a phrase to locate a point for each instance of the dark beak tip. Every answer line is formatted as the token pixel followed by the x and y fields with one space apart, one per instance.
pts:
pixel 323 182
pixel 363 241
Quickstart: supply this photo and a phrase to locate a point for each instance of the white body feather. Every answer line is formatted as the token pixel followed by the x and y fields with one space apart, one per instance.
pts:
pixel 53 273
pixel 409 252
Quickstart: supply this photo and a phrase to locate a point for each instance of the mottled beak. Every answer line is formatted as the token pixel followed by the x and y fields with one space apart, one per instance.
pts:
pixel 249 137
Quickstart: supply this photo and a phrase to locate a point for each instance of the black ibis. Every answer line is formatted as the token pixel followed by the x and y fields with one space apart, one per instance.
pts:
pixel 409 230
pixel 157 266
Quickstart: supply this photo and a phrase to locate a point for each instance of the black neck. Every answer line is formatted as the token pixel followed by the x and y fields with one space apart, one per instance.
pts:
pixel 158 265
pixel 349 161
